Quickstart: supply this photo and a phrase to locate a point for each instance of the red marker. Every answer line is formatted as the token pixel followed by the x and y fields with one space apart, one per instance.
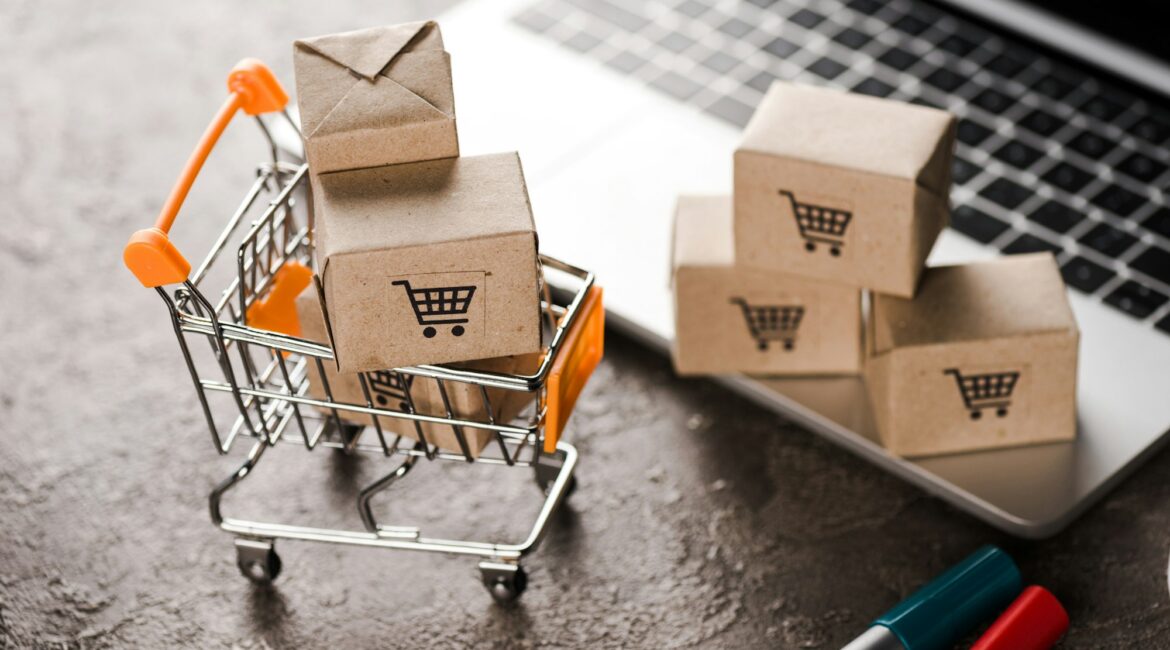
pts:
pixel 1036 621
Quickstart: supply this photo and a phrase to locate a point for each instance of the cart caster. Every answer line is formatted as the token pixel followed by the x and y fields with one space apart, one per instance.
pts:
pixel 835 252
pixel 1001 411
pixel 457 330
pixel 429 332
pixel 505 582
pixel 810 247
pixel 546 470
pixel 257 560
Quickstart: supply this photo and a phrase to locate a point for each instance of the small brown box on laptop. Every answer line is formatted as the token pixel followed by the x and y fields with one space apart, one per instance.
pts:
pixel 984 356
pixel 731 318
pixel 428 262
pixel 375 97
pixel 389 389
pixel 842 187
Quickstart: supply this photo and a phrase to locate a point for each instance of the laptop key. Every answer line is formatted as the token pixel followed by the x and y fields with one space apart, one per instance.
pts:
pixel 826 68
pixel 676 85
pixel 582 42
pixel 1135 299
pixel 868 7
pixel 1108 240
pixel 1159 222
pixel 963 171
pixel 781 48
pixel 626 62
pixel 898 59
pixel 1102 108
pixel 1142 167
pixel 613 14
pixel 676 42
pixel 945 79
pixel 1119 200
pixel 1068 178
pixel 1052 86
pixel 731 110
pixel 977 224
pixel 736 28
pixel 1007 193
pixel 695 8
pixel 852 38
pixel 1042 122
pixel 720 62
pixel 1091 145
pixel 1026 243
pixel 1056 217
pixel 911 24
pixel 807 18
pixel 992 101
pixel 535 20
pixel 1018 154
pixel 761 81
pixel 1154 262
pixel 1150 129
pixel 972 133
pixel 874 87
pixel 1006 65
pixel 956 45
pixel 1083 275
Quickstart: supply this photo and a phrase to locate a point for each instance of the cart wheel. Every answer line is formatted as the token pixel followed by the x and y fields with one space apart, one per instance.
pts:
pixel 809 246
pixel 1001 411
pixel 505 582
pixel 457 330
pixel 975 415
pixel 570 487
pixel 257 561
pixel 429 332
pixel 763 345
pixel 788 345
pixel 835 252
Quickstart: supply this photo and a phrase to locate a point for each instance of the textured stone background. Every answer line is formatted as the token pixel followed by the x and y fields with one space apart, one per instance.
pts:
pixel 700 520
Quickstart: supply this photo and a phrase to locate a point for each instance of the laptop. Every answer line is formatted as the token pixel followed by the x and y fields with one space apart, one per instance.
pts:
pixel 617 106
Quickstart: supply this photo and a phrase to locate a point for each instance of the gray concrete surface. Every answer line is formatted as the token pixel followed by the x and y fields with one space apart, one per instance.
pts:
pixel 700 521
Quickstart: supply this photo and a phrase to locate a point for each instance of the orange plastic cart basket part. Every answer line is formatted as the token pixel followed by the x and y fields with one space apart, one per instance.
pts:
pixel 583 347
pixel 149 254
pixel 277 312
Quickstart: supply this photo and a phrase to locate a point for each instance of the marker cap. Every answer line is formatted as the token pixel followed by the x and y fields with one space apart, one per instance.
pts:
pixel 1036 621
pixel 957 602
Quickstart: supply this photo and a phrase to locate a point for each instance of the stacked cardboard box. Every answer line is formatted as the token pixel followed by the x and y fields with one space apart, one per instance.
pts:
pixel 836 194
pixel 423 256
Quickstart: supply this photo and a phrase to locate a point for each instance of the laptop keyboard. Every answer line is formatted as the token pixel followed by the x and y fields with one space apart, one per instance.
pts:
pixel 1049 157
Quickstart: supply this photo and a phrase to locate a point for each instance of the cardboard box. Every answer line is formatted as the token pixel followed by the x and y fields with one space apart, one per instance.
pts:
pixel 375 97
pixel 842 187
pixel 389 389
pixel 731 318
pixel 430 262
pixel 985 356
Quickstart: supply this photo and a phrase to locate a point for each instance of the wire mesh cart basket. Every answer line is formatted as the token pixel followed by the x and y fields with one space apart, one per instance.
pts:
pixel 985 391
pixel 767 323
pixel 251 370
pixel 819 224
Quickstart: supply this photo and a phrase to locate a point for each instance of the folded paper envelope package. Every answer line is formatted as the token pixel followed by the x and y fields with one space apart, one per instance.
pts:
pixel 374 97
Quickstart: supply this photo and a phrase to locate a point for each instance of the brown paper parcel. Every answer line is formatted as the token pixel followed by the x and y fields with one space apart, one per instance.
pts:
pixel 842 187
pixel 375 97
pixel 730 318
pixel 389 389
pixel 985 356
pixel 430 262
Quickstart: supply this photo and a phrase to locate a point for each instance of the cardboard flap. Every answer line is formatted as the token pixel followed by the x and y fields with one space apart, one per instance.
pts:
pixel 417 72
pixel 381 105
pixel 367 51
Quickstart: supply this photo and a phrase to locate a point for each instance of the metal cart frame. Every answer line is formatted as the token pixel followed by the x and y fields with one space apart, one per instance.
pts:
pixel 263 374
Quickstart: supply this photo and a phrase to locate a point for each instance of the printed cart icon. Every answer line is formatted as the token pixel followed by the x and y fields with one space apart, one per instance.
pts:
pixel 439 306
pixel 390 388
pixel 771 322
pixel 820 224
pixel 985 391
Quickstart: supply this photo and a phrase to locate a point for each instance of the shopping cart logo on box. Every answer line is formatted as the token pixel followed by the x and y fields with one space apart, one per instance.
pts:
pixel 820 224
pixel 439 306
pixel 390 388
pixel 768 323
pixel 992 390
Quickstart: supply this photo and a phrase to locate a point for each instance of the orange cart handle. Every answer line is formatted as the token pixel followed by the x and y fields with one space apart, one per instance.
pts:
pixel 583 347
pixel 149 254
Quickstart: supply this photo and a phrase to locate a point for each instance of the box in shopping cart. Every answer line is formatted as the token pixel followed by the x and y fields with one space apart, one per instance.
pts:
pixel 416 394
pixel 842 187
pixel 428 262
pixel 731 318
pixel 375 97
pixel 984 356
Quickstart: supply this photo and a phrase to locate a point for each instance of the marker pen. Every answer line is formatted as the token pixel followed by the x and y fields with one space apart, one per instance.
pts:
pixel 938 615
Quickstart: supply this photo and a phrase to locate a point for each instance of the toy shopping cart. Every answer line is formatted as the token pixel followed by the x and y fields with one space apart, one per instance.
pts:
pixel 439 306
pixel 771 322
pixel 252 383
pixel 985 391
pixel 820 224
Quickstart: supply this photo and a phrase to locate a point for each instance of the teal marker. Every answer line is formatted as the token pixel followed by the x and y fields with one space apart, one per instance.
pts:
pixel 938 615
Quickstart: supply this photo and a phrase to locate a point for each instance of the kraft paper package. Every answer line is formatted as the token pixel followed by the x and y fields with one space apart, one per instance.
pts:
pixel 842 187
pixel 984 356
pixel 375 97
pixel 428 262
pixel 389 389
pixel 731 318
